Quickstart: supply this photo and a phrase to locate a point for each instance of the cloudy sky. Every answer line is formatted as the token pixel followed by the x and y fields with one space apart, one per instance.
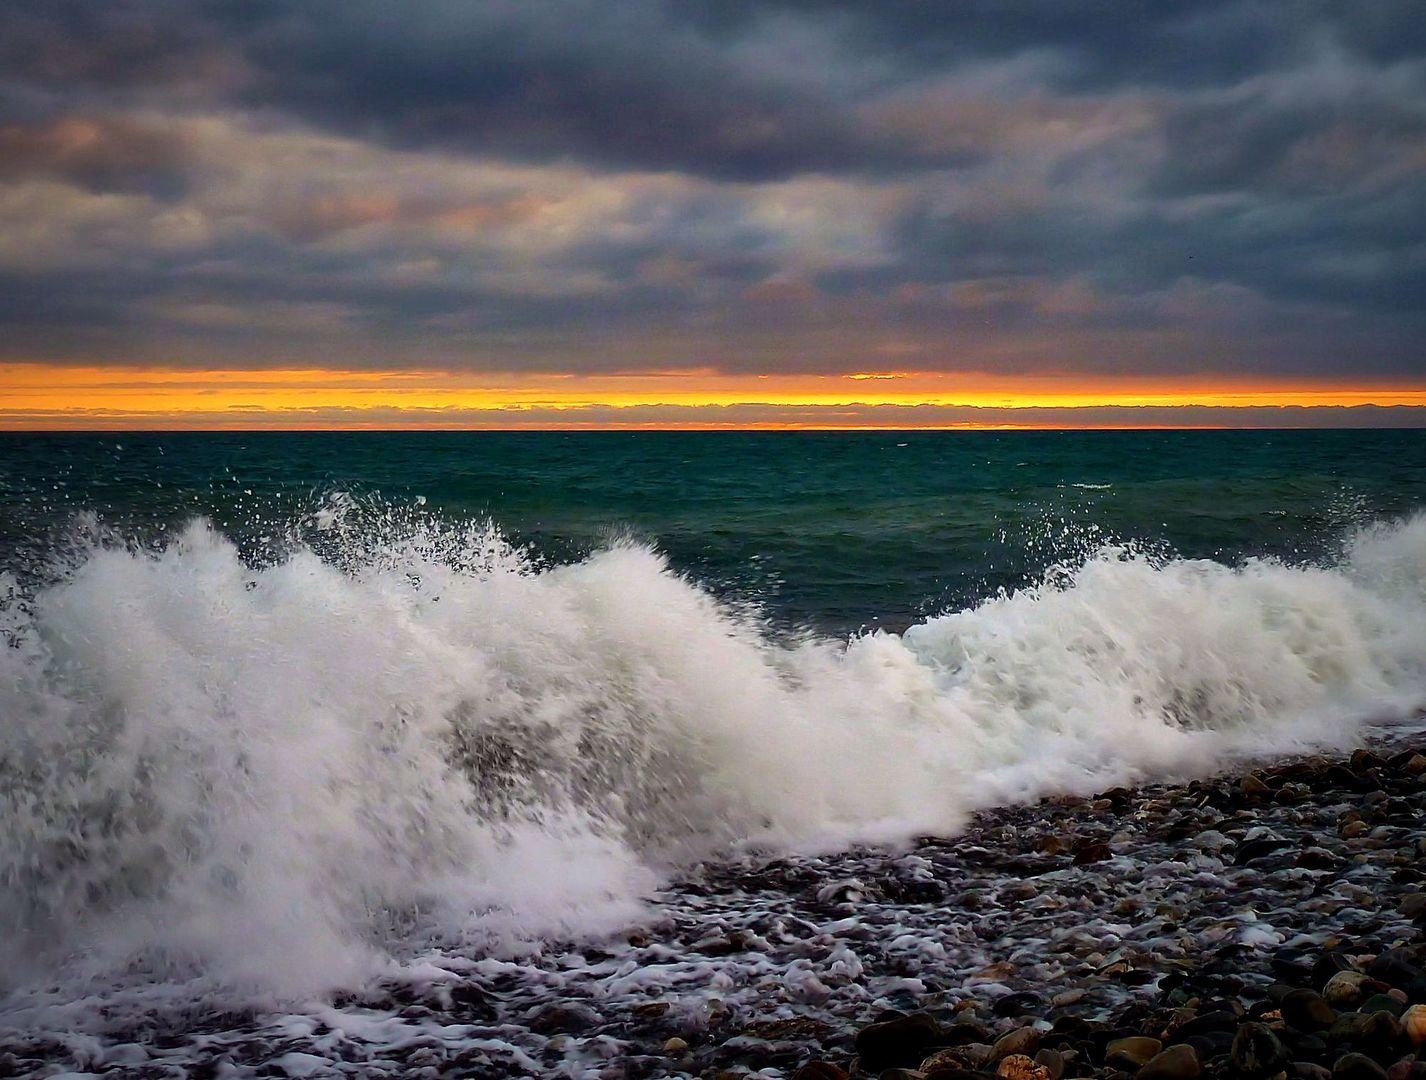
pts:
pixel 385 212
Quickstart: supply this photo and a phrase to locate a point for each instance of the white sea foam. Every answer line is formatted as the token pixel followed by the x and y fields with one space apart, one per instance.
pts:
pixel 283 776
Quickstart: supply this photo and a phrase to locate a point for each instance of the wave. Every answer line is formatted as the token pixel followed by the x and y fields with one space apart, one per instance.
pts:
pixel 283 775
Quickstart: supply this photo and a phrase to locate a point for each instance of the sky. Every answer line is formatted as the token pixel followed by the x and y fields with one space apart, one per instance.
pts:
pixel 709 213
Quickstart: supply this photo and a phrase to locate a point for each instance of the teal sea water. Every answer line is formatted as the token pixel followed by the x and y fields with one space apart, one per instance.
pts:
pixel 837 531
pixel 286 710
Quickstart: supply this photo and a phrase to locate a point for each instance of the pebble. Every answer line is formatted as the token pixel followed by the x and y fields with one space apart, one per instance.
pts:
pixel 1023 1040
pixel 1413 1023
pixel 1382 1003
pixel 1357 1067
pixel 1396 967
pixel 1253 786
pixel 899 1042
pixel 1257 1052
pixel 1052 1060
pixel 820 1070
pixel 1307 1010
pixel 1021 1067
pixel 1199 921
pixel 1344 989
pixel 1179 1062
pixel 1133 1052
pixel 967 1058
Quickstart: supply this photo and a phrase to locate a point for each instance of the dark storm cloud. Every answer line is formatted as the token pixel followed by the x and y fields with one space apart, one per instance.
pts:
pixel 619 84
pixel 123 46
pixel 101 153
pixel 1226 185
pixel 1174 42
pixel 745 90
pixel 733 89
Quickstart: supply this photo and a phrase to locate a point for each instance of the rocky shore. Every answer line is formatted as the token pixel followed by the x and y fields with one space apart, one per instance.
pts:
pixel 1340 996
pixel 1263 925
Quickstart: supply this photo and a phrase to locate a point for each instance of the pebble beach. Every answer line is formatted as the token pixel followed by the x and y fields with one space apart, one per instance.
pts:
pixel 1261 923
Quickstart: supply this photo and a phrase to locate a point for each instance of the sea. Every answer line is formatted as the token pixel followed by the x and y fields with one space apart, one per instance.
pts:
pixel 284 712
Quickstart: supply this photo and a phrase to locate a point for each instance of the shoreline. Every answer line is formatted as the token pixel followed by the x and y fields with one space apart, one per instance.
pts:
pixel 1176 913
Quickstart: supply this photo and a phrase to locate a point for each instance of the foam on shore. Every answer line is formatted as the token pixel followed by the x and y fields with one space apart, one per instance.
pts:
pixel 287 775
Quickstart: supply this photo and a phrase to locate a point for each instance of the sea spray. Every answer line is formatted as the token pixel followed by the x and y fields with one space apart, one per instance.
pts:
pixel 286 773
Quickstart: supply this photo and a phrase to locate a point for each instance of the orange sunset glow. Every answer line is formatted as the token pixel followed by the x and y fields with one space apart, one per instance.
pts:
pixel 766 218
pixel 50 396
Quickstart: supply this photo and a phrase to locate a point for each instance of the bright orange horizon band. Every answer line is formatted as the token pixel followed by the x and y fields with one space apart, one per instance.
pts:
pixel 34 395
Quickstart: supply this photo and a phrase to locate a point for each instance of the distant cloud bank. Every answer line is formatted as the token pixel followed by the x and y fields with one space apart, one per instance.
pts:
pixel 1215 188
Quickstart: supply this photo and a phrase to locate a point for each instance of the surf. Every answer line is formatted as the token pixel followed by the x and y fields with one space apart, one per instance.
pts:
pixel 292 773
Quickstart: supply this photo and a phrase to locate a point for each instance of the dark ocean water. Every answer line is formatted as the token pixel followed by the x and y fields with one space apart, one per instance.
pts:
pixel 284 710
pixel 836 530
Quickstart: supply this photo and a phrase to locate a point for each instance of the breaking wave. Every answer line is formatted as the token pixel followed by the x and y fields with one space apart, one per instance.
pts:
pixel 285 774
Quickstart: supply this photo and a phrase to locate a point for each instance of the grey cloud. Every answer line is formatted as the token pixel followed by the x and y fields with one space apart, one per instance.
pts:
pixel 1220 184
pixel 99 153
pixel 625 85
pixel 60 46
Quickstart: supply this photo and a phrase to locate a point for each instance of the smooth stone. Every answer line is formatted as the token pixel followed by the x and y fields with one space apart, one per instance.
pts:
pixel 1206 1022
pixel 1256 1051
pixel 1249 851
pixel 1413 905
pixel 1341 776
pixel 965 1031
pixel 1357 1067
pixel 1305 1047
pixel 1316 858
pixel 1344 989
pixel 675 1045
pixel 1397 967
pixel 1253 786
pixel 1309 1070
pixel 1092 853
pixel 564 1019
pixel 1364 759
pixel 1366 1030
pixel 1012 1005
pixel 1408 1068
pixel 899 1042
pixel 1384 1028
pixel 1290 969
pixel 820 1070
pixel 1179 1062
pixel 1349 1027
pixel 1307 1010
pixel 1053 1060
pixel 1413 1022
pixel 1382 1003
pixel 1025 1040
pixel 1134 1052
pixel 1021 1067
pixel 967 1058
pixel 1329 963
pixel 1214 1044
